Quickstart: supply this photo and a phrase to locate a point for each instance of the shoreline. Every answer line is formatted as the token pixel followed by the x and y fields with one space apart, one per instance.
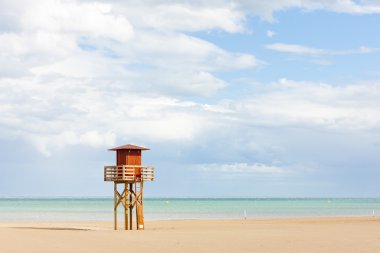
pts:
pixel 271 219
pixel 325 235
pixel 199 219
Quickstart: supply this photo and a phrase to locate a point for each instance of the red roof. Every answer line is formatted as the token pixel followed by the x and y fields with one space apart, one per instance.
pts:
pixel 129 146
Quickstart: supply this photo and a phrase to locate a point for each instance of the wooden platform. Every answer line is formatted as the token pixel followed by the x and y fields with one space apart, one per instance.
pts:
pixel 128 173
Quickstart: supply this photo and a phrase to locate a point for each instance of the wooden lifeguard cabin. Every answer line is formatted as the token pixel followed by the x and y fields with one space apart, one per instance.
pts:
pixel 131 175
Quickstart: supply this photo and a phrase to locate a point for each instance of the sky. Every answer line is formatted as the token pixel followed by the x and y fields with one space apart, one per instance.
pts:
pixel 234 98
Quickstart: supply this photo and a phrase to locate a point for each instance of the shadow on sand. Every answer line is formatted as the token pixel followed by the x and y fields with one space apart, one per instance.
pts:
pixel 53 228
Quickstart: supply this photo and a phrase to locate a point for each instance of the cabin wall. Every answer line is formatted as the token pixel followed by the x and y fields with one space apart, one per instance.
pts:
pixel 134 157
pixel 121 157
pixel 128 157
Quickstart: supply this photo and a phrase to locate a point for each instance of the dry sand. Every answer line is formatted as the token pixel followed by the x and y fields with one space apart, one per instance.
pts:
pixel 330 235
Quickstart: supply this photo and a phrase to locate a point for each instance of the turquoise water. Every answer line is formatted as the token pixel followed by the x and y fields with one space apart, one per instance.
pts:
pixel 71 209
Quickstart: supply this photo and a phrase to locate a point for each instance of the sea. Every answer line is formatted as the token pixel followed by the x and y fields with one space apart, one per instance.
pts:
pixel 101 209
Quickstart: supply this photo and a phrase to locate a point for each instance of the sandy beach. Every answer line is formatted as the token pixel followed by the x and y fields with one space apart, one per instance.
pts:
pixel 359 234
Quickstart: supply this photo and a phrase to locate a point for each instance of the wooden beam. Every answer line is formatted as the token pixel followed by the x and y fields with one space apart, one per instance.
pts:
pixel 121 197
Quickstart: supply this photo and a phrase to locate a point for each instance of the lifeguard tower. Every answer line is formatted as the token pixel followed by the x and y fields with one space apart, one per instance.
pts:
pixel 131 175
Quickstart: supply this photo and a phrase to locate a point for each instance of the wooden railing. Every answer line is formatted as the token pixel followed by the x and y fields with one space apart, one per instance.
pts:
pixel 128 173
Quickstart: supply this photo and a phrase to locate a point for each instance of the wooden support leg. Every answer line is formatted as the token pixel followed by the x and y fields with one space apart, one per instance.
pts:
pixel 142 223
pixel 126 205
pixel 136 204
pixel 115 206
pixel 139 208
pixel 130 207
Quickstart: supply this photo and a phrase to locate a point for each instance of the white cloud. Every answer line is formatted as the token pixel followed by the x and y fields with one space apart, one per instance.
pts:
pixel 77 111
pixel 54 141
pixel 74 39
pixel 183 16
pixel 266 9
pixel 82 19
pixel 296 49
pixel 179 51
pixel 304 50
pixel 313 105
pixel 360 50
pixel 270 33
pixel 84 73
pixel 60 112
pixel 226 15
pixel 256 168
